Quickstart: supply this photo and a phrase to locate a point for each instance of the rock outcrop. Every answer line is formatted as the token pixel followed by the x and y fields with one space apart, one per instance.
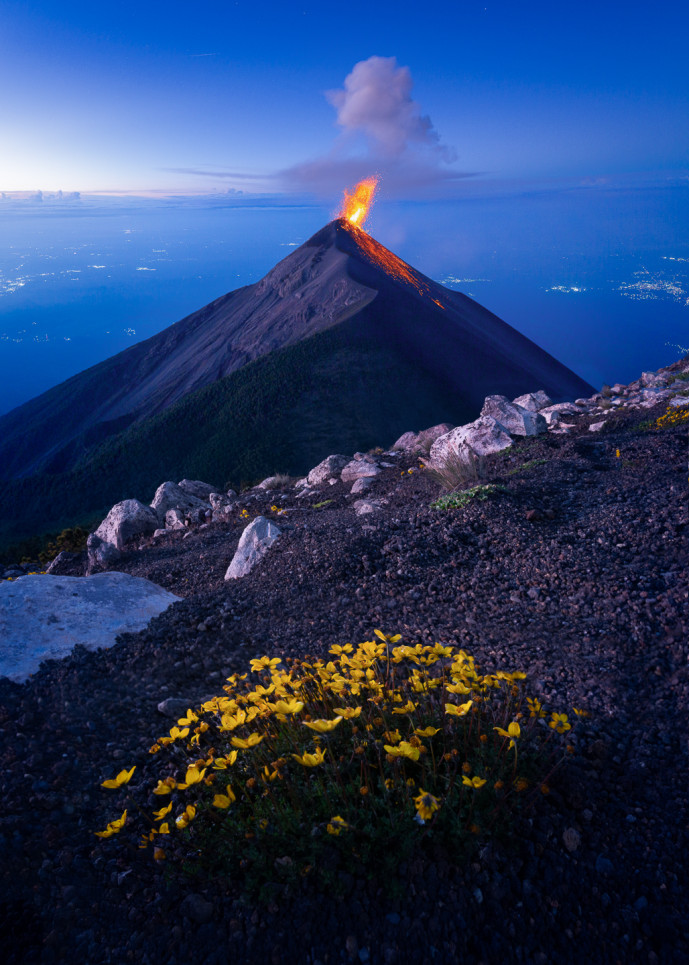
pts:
pixel 126 521
pixel 254 543
pixel 55 613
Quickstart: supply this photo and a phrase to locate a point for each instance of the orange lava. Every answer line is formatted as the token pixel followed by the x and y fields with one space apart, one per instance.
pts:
pixel 393 265
pixel 355 206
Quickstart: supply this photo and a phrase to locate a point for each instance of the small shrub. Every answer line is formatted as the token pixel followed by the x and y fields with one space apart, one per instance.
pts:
pixel 353 761
pixel 71 540
pixel 530 464
pixel 460 470
pixel 325 502
pixel 459 499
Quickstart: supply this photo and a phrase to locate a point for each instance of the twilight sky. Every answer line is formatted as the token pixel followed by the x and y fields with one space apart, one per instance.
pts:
pixel 297 97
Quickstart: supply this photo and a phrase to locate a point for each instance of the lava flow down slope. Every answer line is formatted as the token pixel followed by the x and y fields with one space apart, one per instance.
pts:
pixel 341 278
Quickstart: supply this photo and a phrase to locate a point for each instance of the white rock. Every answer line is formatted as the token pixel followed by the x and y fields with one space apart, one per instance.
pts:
pixel 361 484
pixel 517 420
pixel 406 441
pixel 358 468
pixel 427 437
pixel 43 617
pixel 331 466
pixel 485 435
pixel 270 482
pixel 254 543
pixel 125 521
pixel 364 506
pixel 596 426
pixel 100 553
pixel 194 487
pixel 174 519
pixel 679 401
pixel 533 401
pixel 171 496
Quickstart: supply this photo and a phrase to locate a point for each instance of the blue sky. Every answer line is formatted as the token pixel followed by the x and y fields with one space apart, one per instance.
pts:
pixel 161 98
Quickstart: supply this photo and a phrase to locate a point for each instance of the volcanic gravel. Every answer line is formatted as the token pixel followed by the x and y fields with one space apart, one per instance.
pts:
pixel 575 574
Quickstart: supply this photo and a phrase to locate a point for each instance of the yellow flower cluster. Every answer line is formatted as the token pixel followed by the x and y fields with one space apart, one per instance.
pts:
pixel 361 733
pixel 675 416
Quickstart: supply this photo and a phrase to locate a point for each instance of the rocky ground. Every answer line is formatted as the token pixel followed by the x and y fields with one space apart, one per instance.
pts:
pixel 576 573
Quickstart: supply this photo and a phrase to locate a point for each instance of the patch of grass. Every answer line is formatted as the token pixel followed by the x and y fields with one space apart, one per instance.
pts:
pixel 459 499
pixel 459 470
pixel 307 770
pixel 325 502
pixel 530 464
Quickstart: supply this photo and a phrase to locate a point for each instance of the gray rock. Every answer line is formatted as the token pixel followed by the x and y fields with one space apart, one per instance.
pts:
pixel 171 496
pixel 484 436
pixel 231 494
pixel 174 707
pixel 553 413
pixel 174 519
pixel 358 467
pixel 271 482
pixel 406 441
pixel 362 507
pixel 331 466
pixel 194 487
pixel 679 401
pixel 61 559
pixel 127 520
pixel 427 437
pixel 101 554
pixel 652 380
pixel 361 484
pixel 517 420
pixel 160 532
pixel 254 543
pixel 533 401
pixel 45 617
pixel 596 426
pixel 571 839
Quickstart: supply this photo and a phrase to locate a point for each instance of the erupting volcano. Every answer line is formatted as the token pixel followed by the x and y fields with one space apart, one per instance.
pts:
pixel 356 206
pixel 352 308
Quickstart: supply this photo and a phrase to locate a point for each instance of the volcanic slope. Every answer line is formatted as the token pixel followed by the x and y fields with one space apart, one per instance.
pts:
pixel 339 274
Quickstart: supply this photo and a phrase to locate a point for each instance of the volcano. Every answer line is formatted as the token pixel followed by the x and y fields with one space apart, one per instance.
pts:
pixel 340 279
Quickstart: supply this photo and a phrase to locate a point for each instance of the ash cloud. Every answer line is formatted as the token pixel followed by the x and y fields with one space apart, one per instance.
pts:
pixel 383 131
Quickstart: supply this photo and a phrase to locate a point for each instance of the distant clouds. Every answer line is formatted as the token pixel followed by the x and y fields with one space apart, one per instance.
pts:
pixel 383 132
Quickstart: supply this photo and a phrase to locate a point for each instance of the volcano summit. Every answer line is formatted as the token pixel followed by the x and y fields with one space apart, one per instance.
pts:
pixel 341 344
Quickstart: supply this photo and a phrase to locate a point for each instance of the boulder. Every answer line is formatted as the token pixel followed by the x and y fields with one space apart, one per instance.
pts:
pixel 174 519
pixel 361 484
pixel 331 466
pixel 62 559
pixel 364 506
pixel 406 441
pixel 515 419
pixel 194 487
pixel 101 554
pixel 533 401
pixel 127 520
pixel 272 482
pixel 484 436
pixel 44 617
pixel 427 437
pixel 171 496
pixel 254 543
pixel 359 466
pixel 552 413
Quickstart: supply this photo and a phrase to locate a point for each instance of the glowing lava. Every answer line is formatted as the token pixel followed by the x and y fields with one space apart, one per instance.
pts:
pixel 355 206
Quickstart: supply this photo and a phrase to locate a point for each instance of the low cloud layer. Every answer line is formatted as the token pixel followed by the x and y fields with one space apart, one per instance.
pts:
pixel 382 131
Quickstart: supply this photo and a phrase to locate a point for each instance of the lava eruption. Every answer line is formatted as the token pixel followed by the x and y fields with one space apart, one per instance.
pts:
pixel 356 206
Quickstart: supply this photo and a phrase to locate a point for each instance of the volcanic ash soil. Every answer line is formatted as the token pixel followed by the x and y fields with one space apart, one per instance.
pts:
pixel 575 574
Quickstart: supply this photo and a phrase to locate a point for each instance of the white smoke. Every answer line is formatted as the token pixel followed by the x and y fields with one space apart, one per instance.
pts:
pixel 383 131
pixel 377 102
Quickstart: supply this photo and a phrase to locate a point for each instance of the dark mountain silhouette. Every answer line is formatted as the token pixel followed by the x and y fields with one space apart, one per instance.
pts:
pixel 338 274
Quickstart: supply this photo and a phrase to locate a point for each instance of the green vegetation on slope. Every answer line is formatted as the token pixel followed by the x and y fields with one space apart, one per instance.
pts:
pixel 341 390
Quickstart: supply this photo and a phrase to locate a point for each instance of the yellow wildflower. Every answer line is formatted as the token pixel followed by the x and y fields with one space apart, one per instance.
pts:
pixel 559 723
pixel 222 763
pixel 159 815
pixel 124 777
pixel 164 787
pixel 224 800
pixel 193 776
pixel 475 782
pixel 292 706
pixel 311 760
pixel 190 718
pixel 426 805
pixel 113 828
pixel 404 749
pixel 251 741
pixel 322 726
pixel 513 732
pixel 458 710
pixel 158 854
pixel 258 665
pixel 347 712
pixel 186 817
pixel 336 825
pixel 408 708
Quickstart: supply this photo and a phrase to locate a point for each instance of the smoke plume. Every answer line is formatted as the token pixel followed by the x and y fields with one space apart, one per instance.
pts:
pixel 383 131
